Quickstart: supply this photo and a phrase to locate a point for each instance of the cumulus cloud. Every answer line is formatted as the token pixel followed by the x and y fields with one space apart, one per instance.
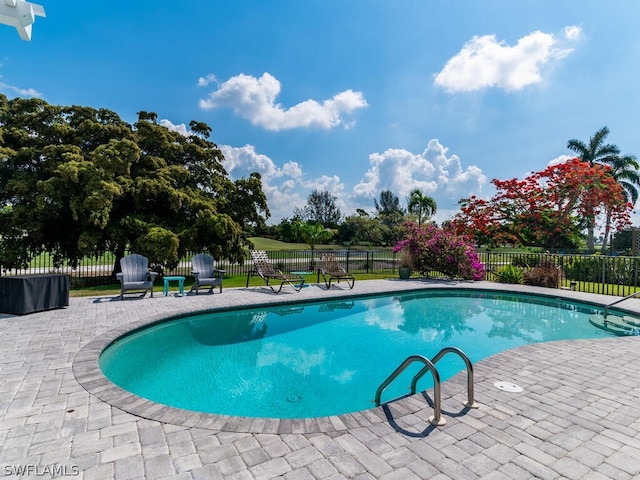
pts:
pixel 281 185
pixel 255 100
pixel 560 159
pixel 241 161
pixel 181 128
pixel 434 172
pixel 485 62
pixel 285 186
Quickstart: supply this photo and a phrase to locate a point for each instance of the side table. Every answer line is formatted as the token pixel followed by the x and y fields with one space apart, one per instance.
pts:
pixel 301 275
pixel 178 279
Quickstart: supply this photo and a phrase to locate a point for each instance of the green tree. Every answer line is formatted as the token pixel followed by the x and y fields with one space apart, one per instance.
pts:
pixel 78 181
pixel 625 171
pixel 420 205
pixel 391 216
pixel 314 233
pixel 321 208
pixel 361 229
pixel 388 208
pixel 596 151
pixel 246 203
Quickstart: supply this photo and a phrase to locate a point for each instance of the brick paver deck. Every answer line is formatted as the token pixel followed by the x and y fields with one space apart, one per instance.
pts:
pixel 577 418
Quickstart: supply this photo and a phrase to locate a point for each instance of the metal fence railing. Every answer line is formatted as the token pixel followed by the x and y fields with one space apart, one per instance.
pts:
pixel 99 270
pixel 609 275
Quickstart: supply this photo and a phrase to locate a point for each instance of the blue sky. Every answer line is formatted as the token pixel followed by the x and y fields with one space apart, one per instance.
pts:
pixel 351 96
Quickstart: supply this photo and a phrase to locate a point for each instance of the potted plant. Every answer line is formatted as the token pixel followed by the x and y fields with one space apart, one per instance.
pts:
pixel 405 264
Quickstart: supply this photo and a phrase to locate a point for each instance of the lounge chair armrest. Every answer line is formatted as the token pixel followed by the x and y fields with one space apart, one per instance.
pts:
pixel 120 276
pixel 217 271
pixel 195 273
pixel 152 275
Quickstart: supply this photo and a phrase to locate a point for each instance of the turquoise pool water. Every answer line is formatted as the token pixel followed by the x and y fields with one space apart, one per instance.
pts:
pixel 327 358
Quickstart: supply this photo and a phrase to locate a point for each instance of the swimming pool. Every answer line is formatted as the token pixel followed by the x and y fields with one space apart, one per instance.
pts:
pixel 326 358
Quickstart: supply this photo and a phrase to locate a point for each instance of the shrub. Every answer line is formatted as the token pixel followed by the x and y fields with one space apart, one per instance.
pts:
pixel 435 249
pixel 160 246
pixel 510 274
pixel 546 274
pixel 526 260
pixel 598 268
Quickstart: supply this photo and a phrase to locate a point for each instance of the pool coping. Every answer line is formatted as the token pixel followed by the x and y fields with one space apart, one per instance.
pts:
pixel 88 374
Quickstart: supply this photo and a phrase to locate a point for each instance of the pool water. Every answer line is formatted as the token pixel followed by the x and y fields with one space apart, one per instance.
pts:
pixel 328 358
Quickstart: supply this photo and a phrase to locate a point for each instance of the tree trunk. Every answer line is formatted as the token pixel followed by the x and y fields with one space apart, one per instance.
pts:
pixel 119 253
pixel 607 230
pixel 591 243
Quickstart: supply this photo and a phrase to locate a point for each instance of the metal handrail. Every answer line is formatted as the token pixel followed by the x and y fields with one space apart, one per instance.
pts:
pixel 429 366
pixel 606 308
pixel 470 403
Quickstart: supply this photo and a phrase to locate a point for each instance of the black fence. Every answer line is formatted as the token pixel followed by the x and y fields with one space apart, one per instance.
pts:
pixel 99 270
pixel 609 275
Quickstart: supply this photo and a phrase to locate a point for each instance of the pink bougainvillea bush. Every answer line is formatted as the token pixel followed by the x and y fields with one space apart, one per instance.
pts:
pixel 433 248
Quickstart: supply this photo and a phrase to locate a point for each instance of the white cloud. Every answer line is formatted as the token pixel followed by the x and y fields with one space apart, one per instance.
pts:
pixel 180 128
pixel 241 161
pixel 285 186
pixel 281 185
pixel 255 100
pixel 484 62
pixel 206 80
pixel 560 159
pixel 432 171
pixel 22 92
pixel 572 32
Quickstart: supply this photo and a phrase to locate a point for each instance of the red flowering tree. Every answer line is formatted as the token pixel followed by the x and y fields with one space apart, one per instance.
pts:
pixel 548 208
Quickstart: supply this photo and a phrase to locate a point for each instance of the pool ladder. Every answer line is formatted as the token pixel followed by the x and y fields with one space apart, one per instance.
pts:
pixel 429 366
pixel 606 308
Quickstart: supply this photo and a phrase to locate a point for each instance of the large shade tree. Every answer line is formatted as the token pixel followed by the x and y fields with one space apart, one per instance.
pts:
pixel 78 181
pixel 546 208
pixel 623 168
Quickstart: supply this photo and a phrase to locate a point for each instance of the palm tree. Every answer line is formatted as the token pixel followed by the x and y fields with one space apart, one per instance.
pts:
pixel 314 234
pixel 625 170
pixel 422 206
pixel 595 152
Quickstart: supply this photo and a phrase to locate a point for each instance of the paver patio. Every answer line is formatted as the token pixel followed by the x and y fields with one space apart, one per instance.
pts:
pixel 577 418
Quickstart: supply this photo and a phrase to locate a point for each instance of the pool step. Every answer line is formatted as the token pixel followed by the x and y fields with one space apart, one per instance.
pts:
pixel 632 321
pixel 616 325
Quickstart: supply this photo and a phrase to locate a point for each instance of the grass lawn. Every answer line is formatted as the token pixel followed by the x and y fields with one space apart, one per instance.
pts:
pixel 597 287
pixel 229 282
pixel 240 281
pixel 261 243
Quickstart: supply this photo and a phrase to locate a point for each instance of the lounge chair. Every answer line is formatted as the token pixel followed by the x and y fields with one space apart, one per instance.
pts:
pixel 135 275
pixel 330 271
pixel 204 273
pixel 264 269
